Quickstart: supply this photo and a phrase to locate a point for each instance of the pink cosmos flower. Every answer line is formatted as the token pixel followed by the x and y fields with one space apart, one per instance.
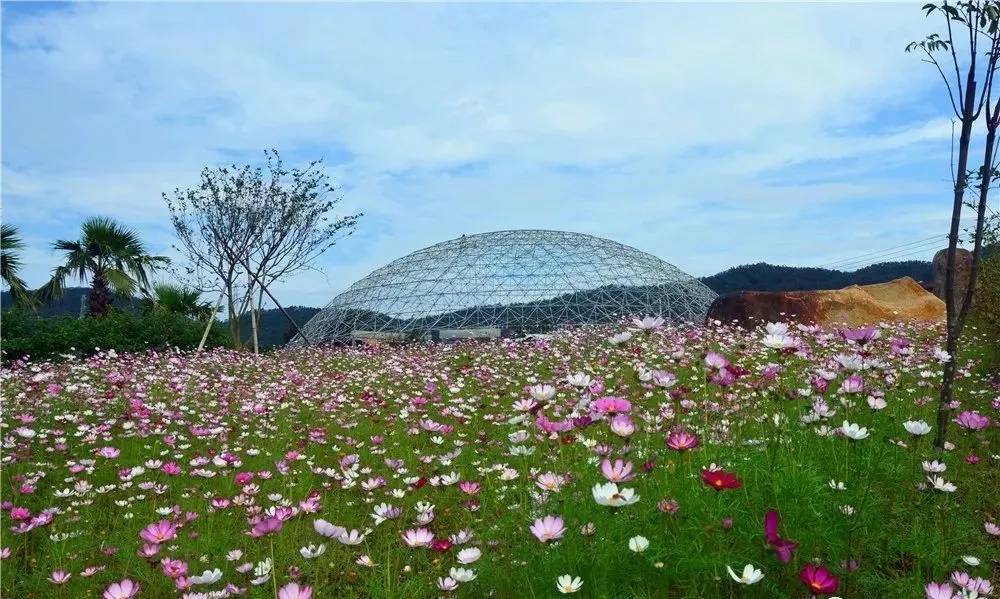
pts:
pixel 716 360
pixel 619 472
pixel 124 589
pixel 109 452
pixel 59 577
pixel 550 481
pixel 973 421
pixel 174 568
pixel 548 528
pixel 419 537
pixel 469 487
pixel 622 425
pixel 294 591
pixel 266 526
pixel 610 405
pixel 853 384
pixel 157 533
pixel 938 591
pixel 681 440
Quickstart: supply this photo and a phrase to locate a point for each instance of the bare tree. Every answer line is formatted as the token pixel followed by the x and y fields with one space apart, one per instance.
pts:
pixel 972 32
pixel 245 227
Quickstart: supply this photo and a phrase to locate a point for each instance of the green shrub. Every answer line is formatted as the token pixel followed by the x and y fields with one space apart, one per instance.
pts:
pixel 23 333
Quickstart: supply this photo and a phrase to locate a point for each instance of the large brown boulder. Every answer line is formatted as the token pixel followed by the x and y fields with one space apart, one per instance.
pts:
pixel 899 300
pixel 963 268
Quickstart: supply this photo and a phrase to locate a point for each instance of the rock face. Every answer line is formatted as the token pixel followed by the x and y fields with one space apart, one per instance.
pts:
pixel 963 266
pixel 899 300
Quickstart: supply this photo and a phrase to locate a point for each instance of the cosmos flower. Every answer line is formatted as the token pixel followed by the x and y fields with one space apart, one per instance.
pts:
pixel 720 479
pixel 312 551
pixel 855 432
pixel 292 590
pixel 971 420
pixel 934 590
pixel 818 579
pixel 566 584
pixel 750 575
pixel 207 577
pixel 548 528
pixel 681 440
pixel 638 544
pixel 468 556
pixel 610 405
pixel 784 548
pixel 609 494
pixel 462 574
pixel 326 529
pixel 447 583
pixel 123 589
pixel 59 577
pixel 157 533
pixel 619 472
pixel 917 427
pixel 622 425
pixel 580 379
pixel 420 537
pixel 941 484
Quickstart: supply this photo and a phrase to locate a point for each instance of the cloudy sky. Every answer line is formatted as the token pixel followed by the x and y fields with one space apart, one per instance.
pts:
pixel 709 135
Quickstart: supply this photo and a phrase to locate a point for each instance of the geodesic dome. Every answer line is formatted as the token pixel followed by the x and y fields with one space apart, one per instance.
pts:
pixel 524 281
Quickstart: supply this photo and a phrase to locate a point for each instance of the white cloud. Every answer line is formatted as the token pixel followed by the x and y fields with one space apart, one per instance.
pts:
pixel 710 135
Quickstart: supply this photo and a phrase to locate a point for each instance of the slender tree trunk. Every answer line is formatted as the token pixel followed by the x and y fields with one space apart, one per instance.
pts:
pixel 100 296
pixel 253 325
pixel 234 321
pixel 951 339
pixel 211 321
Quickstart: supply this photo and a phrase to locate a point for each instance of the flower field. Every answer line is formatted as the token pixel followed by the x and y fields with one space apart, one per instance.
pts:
pixel 632 460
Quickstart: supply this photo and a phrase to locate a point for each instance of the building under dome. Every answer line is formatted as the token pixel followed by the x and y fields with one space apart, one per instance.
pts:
pixel 509 282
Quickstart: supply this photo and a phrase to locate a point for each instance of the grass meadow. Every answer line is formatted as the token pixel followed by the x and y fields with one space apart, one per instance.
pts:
pixel 626 460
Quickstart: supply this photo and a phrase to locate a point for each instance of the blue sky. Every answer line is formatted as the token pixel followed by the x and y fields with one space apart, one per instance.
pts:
pixel 709 135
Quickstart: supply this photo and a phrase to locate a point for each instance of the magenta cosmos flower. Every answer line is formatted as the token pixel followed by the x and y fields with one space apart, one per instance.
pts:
pixel 160 532
pixel 681 440
pixel 938 591
pixel 973 421
pixel 548 528
pixel 783 547
pixel 818 579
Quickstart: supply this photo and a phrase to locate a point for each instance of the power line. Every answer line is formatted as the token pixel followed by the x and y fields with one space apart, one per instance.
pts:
pixel 925 241
pixel 896 256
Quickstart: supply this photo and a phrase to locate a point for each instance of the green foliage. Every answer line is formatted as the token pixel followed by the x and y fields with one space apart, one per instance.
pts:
pixel 41 338
pixel 111 255
pixel 177 299
pixel 770 277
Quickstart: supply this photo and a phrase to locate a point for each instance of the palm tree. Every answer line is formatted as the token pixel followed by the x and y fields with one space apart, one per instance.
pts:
pixel 111 255
pixel 177 300
pixel 10 262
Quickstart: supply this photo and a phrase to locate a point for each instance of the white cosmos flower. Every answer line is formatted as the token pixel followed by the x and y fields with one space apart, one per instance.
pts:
pixel 837 485
pixel 234 555
pixel 776 328
pixel 542 393
pixel 778 341
pixel 609 494
pixel 638 543
pixel 854 431
pixel 352 538
pixel 934 467
pixel 312 551
pixel 566 584
pixel 580 379
pixel 462 574
pixel 941 484
pixel 971 560
pixel 468 556
pixel 648 323
pixel 917 427
pixel 617 340
pixel 749 576
pixel 326 529
pixel 207 577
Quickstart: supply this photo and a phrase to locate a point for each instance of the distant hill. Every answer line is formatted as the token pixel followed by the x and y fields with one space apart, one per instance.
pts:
pixel 275 329
pixel 769 277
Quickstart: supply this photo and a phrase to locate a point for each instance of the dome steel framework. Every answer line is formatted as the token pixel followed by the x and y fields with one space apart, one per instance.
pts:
pixel 526 281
